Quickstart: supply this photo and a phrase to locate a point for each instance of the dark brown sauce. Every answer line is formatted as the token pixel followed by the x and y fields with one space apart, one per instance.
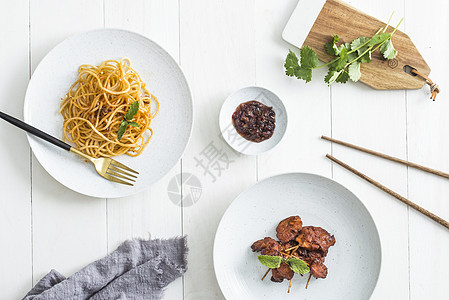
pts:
pixel 254 121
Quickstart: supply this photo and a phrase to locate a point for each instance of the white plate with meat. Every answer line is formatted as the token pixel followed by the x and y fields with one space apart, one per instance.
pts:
pixel 353 263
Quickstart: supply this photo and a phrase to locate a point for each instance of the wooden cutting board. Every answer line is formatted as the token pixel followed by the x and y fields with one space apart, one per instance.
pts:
pixel 337 17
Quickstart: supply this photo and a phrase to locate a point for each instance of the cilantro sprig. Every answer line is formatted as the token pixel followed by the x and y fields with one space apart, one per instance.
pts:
pixel 297 265
pixel 133 109
pixel 348 57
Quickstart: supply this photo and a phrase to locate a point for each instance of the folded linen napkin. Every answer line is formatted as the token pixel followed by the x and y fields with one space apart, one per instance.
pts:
pixel 138 269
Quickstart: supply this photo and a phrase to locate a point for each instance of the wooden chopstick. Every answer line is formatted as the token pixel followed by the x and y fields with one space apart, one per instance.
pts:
pixel 392 158
pixel 392 193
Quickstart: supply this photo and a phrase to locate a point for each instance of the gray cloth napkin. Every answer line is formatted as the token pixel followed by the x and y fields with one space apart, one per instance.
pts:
pixel 138 269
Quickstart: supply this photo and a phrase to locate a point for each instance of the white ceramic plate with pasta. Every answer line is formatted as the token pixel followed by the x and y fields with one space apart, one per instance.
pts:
pixel 159 71
pixel 353 262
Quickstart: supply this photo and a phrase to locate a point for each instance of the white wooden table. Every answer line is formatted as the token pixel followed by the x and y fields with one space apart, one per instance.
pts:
pixel 223 46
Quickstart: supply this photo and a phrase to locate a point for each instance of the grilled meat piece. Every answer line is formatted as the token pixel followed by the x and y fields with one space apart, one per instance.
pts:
pixel 318 269
pixel 314 256
pixel 308 256
pixel 315 238
pixel 266 246
pixel 288 229
pixel 281 273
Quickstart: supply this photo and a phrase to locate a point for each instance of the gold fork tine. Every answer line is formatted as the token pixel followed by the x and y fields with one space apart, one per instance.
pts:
pixel 107 167
pixel 120 165
pixel 111 167
pixel 117 174
pixel 112 178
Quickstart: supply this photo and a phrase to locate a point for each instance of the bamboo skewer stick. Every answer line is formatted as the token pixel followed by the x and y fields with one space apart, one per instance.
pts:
pixel 392 193
pixel 290 285
pixel 392 158
pixel 308 280
pixel 266 273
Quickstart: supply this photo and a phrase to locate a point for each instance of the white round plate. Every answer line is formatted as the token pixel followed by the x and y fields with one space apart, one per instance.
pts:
pixel 233 138
pixel 163 77
pixel 353 262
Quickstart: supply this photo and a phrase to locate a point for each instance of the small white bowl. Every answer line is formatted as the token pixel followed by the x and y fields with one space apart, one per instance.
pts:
pixel 230 134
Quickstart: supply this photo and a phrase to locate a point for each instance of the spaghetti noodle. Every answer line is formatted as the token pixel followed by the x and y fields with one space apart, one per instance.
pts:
pixel 96 104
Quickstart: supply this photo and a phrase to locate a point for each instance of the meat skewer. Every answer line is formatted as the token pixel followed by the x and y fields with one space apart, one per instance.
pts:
pixel 266 273
pixel 307 243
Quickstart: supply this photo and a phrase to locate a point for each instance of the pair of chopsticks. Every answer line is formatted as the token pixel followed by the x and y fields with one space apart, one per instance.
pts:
pixel 384 188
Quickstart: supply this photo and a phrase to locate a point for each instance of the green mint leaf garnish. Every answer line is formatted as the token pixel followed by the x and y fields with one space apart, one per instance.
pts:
pixel 122 129
pixel 354 71
pixel 271 262
pixel 298 265
pixel 133 109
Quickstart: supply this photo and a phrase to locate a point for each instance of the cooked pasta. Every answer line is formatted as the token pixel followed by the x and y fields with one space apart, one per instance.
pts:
pixel 96 104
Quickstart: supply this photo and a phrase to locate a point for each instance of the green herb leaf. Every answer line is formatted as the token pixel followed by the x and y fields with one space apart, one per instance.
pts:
pixel 298 265
pixel 358 42
pixel 343 77
pixel 309 59
pixel 379 38
pixel 331 76
pixel 302 73
pixel 351 55
pixel 122 129
pixel 341 63
pixel 354 71
pixel 387 49
pixel 365 58
pixel 133 124
pixel 271 262
pixel 291 63
pixel 133 109
pixel 331 47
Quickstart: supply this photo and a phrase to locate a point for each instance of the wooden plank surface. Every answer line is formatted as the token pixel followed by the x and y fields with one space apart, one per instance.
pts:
pixel 151 212
pixel 223 46
pixel 220 33
pixel 428 144
pixel 15 187
pixel 359 114
pixel 349 23
pixel 69 229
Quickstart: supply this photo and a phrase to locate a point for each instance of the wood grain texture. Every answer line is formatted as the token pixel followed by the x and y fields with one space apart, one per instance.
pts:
pixel 337 17
pixel 428 144
pixel 391 192
pixel 150 212
pixel 69 229
pixel 223 46
pixel 308 104
pixel 217 56
pixel 15 180
pixel 389 157
pixel 377 120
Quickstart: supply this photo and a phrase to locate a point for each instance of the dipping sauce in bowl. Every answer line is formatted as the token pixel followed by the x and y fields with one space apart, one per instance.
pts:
pixel 254 121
